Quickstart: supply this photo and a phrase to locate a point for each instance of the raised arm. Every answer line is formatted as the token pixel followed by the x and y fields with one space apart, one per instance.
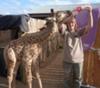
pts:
pixel 90 18
pixel 89 23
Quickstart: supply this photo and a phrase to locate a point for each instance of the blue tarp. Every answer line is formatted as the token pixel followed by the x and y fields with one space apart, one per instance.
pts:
pixel 11 21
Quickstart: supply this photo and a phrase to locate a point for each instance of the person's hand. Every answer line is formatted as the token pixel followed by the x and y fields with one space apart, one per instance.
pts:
pixel 88 8
pixel 76 10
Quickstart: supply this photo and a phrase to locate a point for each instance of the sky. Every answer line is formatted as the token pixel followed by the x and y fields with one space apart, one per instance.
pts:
pixel 36 6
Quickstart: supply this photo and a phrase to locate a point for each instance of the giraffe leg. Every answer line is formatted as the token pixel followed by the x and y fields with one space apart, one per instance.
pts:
pixel 36 66
pixel 10 75
pixel 39 79
pixel 14 75
pixel 28 73
pixel 11 62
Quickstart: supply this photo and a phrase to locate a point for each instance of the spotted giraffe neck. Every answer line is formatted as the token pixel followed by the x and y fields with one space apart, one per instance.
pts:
pixel 39 36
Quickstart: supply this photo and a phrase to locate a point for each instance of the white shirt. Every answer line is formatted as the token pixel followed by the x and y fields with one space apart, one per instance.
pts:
pixel 73 48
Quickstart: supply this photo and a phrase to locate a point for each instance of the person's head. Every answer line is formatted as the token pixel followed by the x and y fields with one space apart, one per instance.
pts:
pixel 67 18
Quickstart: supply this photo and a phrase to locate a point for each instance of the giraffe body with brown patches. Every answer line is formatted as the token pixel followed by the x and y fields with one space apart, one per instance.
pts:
pixel 25 50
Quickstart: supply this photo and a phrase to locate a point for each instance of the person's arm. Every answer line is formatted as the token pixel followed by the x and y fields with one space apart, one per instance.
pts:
pixel 89 25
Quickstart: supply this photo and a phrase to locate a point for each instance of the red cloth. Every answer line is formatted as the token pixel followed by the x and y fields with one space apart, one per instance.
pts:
pixel 78 9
